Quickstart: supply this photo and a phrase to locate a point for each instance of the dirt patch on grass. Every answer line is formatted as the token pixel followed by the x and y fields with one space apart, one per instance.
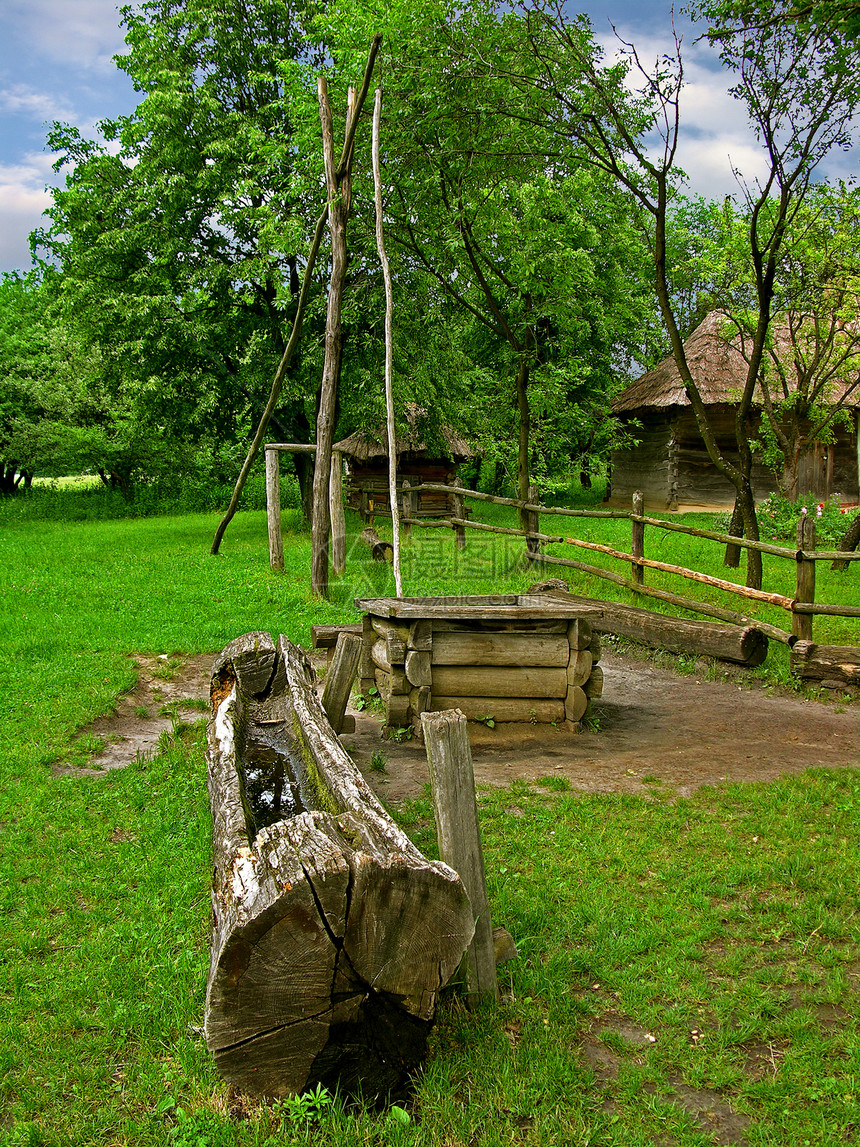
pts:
pixel 659 732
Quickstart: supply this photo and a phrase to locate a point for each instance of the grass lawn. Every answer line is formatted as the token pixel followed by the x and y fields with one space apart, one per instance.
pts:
pixel 689 970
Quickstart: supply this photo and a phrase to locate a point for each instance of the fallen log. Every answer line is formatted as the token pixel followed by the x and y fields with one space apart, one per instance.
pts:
pixel 380 551
pixel 743 645
pixel 832 666
pixel 332 935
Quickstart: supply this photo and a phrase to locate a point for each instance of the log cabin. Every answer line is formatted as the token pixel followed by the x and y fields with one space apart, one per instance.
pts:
pixel 420 458
pixel 670 463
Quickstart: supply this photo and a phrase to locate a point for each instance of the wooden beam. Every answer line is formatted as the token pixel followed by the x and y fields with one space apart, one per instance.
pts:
pixel 452 780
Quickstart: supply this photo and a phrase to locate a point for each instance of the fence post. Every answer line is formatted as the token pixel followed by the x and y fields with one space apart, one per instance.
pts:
pixel 452 777
pixel 458 505
pixel 533 525
pixel 637 540
pixel 801 623
pixel 273 508
pixel 338 520
pixel 410 507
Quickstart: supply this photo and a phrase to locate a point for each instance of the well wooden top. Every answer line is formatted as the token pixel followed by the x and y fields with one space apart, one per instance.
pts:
pixel 522 606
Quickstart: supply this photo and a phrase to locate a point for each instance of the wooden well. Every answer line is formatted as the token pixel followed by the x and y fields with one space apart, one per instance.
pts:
pixel 513 657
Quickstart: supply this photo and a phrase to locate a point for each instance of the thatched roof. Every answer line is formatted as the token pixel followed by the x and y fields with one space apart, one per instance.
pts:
pixel 365 445
pixel 717 364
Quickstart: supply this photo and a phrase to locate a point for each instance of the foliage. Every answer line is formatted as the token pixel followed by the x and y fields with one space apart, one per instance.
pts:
pixel 779 517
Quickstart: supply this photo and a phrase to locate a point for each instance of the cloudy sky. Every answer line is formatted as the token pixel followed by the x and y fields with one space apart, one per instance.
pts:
pixel 56 64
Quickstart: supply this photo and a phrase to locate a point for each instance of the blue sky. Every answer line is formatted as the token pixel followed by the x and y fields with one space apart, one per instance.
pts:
pixel 56 64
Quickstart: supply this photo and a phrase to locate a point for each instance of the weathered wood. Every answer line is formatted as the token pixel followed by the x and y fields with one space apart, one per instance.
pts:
pixel 579 634
pixel 801 623
pixel 834 666
pixel 418 670
pixel 593 687
pixel 575 703
pixel 380 550
pixel 366 668
pixel 325 636
pixel 735 619
pixel 579 667
pixel 338 518
pixel 339 679
pixel 744 645
pixel 637 540
pixel 394 637
pixel 533 709
pixel 594 648
pixel 523 649
pixel 511 625
pixel 390 679
pixel 492 681
pixel 452 781
pixel 332 935
pixel 420 636
pixel 273 510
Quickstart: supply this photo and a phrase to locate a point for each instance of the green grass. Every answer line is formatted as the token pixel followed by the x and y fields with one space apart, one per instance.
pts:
pixel 724 925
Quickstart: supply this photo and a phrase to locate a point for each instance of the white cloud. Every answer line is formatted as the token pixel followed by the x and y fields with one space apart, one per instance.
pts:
pixel 84 33
pixel 23 199
pixel 46 106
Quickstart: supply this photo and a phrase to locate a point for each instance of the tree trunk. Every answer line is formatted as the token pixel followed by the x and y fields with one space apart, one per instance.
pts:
pixel 332 935
pixel 732 557
pixel 524 438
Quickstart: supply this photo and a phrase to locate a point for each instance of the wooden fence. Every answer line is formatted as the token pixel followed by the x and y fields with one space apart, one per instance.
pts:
pixel 802 607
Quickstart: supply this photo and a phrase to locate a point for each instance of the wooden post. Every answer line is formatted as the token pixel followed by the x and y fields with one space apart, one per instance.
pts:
pixel 458 505
pixel 409 502
pixel 801 623
pixel 338 521
pixel 452 779
pixel 339 679
pixel 273 508
pixel 637 542
pixel 532 544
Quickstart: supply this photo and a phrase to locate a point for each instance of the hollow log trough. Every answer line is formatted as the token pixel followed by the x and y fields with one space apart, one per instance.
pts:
pixel 332 935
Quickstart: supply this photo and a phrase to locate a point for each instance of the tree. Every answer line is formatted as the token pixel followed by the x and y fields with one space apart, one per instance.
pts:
pixel 180 253
pixel 800 89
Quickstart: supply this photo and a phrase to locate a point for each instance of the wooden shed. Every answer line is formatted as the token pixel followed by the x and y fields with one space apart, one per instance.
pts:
pixel 671 465
pixel 366 456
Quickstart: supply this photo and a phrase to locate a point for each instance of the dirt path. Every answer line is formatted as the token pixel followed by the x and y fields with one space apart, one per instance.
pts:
pixel 657 731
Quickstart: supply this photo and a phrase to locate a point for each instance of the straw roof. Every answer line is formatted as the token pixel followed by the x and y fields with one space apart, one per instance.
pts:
pixel 365 445
pixel 717 365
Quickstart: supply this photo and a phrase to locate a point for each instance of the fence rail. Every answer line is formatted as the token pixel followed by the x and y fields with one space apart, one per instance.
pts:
pixel 802 606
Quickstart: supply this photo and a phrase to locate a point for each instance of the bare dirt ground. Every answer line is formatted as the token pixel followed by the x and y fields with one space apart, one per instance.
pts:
pixel 657 730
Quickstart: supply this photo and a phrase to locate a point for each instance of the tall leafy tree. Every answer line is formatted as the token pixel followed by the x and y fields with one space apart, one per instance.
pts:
pixel 180 241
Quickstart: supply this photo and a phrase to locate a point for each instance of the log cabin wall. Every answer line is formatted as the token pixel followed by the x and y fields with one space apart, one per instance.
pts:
pixel 672 468
pixel 367 491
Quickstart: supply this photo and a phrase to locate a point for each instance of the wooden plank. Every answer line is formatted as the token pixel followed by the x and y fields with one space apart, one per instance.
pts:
pixel 325 636
pixel 490 681
pixel 529 627
pixel 339 679
pixel 518 649
pixel 452 781
pixel 531 709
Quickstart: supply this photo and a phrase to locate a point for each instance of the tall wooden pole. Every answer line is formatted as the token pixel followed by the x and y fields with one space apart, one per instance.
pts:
pixel 273 508
pixel 339 189
pixel 389 311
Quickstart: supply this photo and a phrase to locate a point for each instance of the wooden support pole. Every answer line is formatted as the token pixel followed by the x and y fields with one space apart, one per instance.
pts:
pixel 533 519
pixel 801 623
pixel 338 520
pixel 458 503
pixel 637 542
pixel 452 779
pixel 273 508
pixel 338 682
